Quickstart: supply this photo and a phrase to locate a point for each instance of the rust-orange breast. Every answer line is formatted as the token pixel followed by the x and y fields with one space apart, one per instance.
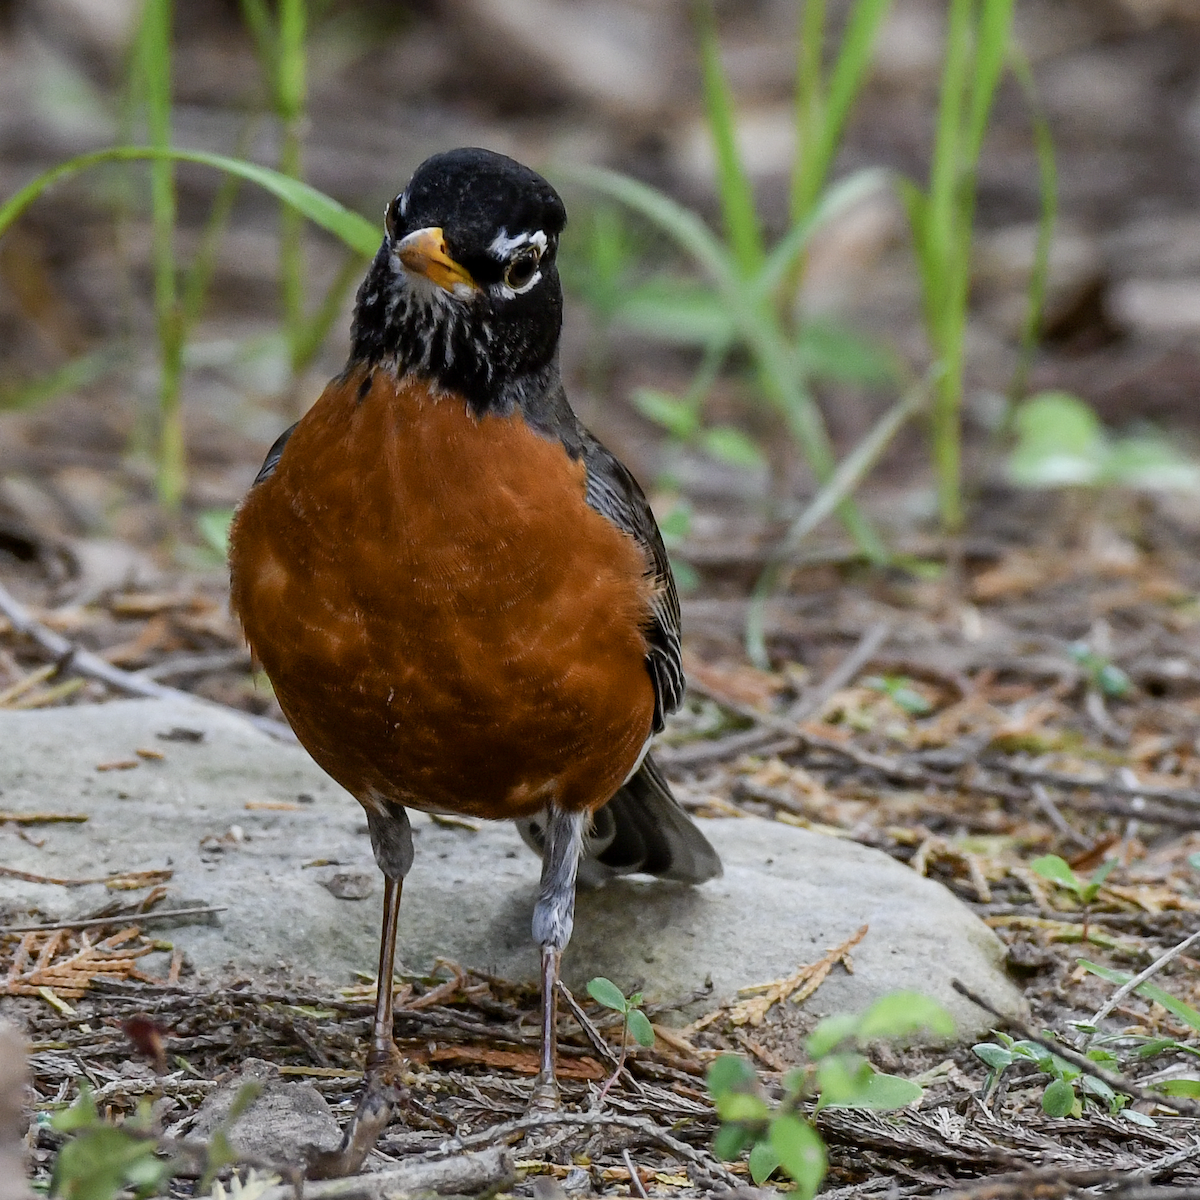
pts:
pixel 445 621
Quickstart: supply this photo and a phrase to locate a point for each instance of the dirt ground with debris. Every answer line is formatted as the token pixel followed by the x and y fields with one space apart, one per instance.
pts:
pixel 949 710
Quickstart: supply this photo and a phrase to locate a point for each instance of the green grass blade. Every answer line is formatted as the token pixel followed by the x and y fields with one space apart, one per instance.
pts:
pixel 70 377
pixel 849 473
pixel 733 183
pixel 316 328
pixel 993 33
pixel 682 226
pixel 845 84
pixel 258 20
pixel 199 274
pixel 356 231
pixel 154 69
pixel 290 92
pixel 843 195
pixel 1048 193
pixel 946 169
pixel 810 109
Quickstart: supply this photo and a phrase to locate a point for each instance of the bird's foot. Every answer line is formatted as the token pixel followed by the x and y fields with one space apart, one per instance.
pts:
pixel 376 1104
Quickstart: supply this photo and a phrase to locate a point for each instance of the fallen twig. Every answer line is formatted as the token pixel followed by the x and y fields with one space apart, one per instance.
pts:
pixel 70 657
pixel 654 1133
pixel 1153 969
pixel 140 918
pixel 843 674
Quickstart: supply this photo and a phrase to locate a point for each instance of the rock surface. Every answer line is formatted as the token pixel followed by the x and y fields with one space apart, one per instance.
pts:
pixel 282 1123
pixel 252 824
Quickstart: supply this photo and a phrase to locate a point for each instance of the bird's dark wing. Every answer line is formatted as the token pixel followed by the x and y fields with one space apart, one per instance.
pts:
pixel 274 455
pixel 615 494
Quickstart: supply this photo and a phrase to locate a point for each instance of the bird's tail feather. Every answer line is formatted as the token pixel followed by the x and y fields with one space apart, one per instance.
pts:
pixel 641 829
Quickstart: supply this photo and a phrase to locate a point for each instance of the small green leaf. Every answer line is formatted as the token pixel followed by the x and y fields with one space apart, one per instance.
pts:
pixel 726 443
pixel 81 1115
pixel 764 1161
pixel 1059 1099
pixel 742 1107
pixel 1181 1087
pixel 1112 681
pixel 842 1079
pixel 996 1057
pixel 1092 1086
pixel 830 1033
pixel 1102 872
pixel 900 1014
pixel 640 1027
pixel 730 1141
pixel 729 1073
pixel 1193 861
pixel 1035 1052
pixel 1057 870
pixel 883 1093
pixel 801 1153
pixel 605 992
pixel 1138 1118
pixel 1060 442
pixel 793 1080
pixel 676 416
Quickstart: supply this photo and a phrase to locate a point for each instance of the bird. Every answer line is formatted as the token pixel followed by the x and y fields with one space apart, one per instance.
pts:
pixel 461 598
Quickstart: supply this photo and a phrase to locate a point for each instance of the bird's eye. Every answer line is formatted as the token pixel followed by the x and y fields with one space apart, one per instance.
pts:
pixel 394 215
pixel 521 270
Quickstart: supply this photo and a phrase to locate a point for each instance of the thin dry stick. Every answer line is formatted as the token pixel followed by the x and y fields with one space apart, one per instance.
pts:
pixel 1056 818
pixel 843 674
pixel 70 657
pixel 140 918
pixel 1085 1064
pixel 654 1133
pixel 635 1180
pixel 1153 969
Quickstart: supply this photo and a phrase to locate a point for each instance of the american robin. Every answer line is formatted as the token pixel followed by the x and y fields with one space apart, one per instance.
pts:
pixel 460 596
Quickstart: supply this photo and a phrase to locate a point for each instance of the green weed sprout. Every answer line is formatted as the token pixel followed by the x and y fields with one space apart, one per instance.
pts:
pixel 1068 1088
pixel 1058 870
pixel 746 300
pixel 941 217
pixel 634 1021
pixel 837 1076
pixel 1060 442
pixel 101 1158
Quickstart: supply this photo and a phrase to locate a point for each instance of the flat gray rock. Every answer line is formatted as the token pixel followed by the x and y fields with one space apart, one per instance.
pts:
pixel 252 824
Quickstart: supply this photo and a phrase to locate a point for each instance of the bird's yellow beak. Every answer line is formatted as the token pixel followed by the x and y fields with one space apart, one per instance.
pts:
pixel 424 253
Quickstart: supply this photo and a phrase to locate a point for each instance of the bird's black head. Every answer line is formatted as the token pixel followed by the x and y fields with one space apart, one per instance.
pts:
pixel 464 289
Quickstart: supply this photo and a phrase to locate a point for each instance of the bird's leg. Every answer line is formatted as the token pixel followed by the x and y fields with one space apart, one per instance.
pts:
pixel 391 839
pixel 553 918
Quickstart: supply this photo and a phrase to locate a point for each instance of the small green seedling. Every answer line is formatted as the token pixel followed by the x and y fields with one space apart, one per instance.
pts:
pixel 1062 1096
pixel 1104 676
pixel 102 1158
pixel 635 1022
pixel 1059 871
pixel 837 1076
pixel 900 691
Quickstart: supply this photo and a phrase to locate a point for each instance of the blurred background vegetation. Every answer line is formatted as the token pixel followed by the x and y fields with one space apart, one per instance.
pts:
pixel 839 272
